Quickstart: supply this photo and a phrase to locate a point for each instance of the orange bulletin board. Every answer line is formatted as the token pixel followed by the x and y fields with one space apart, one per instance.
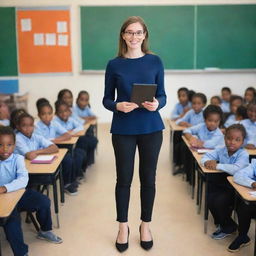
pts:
pixel 44 40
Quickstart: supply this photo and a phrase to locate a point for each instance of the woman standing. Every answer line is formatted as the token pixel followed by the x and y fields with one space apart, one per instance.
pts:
pixel 134 127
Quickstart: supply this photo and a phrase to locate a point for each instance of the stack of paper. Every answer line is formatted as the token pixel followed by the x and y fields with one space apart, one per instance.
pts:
pixel 43 159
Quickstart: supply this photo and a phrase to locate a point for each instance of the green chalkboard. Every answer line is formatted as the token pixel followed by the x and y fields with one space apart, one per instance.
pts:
pixel 170 30
pixel 8 49
pixel 185 37
pixel 226 36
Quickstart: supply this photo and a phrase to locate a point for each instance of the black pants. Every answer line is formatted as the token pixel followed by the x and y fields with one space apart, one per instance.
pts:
pixel 125 147
pixel 245 214
pixel 221 199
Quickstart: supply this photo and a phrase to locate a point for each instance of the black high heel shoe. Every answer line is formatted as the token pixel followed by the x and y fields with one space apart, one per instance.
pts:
pixel 146 245
pixel 123 247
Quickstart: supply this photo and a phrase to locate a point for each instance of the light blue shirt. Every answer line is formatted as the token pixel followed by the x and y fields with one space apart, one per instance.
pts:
pixel 247 175
pixel 192 117
pixel 250 130
pixel 82 112
pixel 231 120
pixel 211 139
pixel 25 144
pixel 50 131
pixel 5 122
pixel 70 124
pixel 178 110
pixel 229 164
pixel 225 106
pixel 13 173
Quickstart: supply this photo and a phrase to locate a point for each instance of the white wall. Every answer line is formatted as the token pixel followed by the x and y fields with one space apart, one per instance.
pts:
pixel 48 86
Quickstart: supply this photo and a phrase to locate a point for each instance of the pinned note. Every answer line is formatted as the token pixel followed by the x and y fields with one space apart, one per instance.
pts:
pixel 38 39
pixel 50 39
pixel 26 25
pixel 63 40
pixel 62 27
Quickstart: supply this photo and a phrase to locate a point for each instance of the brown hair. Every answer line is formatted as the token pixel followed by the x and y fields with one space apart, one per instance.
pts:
pixel 122 44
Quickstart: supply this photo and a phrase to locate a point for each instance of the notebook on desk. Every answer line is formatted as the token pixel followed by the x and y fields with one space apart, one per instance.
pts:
pixel 201 150
pixel 143 92
pixel 43 159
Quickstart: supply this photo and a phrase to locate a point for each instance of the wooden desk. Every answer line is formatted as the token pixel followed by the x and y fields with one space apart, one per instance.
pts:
pixel 86 127
pixel 47 174
pixel 243 193
pixel 8 202
pixel 174 128
pixel 252 153
pixel 72 141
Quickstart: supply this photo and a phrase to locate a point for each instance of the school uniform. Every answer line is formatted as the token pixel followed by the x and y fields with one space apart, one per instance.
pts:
pixel 225 106
pixel 179 109
pixel 5 122
pixel 211 139
pixel 245 213
pixel 230 120
pixel 82 112
pixel 50 132
pixel 220 193
pixel 250 131
pixel 192 117
pixel 14 176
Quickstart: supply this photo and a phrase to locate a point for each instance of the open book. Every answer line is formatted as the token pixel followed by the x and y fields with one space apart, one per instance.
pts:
pixel 201 150
pixel 43 159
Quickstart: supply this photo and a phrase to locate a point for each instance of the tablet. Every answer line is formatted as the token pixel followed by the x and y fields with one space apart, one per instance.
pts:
pixel 143 92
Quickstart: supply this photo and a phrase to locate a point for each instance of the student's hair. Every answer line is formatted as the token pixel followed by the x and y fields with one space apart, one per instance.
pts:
pixel 58 104
pixel 253 91
pixel 201 96
pixel 236 97
pixel 15 116
pixel 22 116
pixel 81 93
pixel 226 89
pixel 45 104
pixel 62 92
pixel 238 127
pixel 122 49
pixel 242 111
pixel 191 93
pixel 217 98
pixel 251 104
pixel 41 101
pixel 7 130
pixel 212 109
pixel 183 89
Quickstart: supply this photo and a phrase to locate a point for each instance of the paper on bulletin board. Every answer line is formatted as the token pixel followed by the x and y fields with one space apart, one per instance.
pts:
pixel 42 34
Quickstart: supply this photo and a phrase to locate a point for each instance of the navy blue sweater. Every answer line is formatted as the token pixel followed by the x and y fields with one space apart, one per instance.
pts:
pixel 121 74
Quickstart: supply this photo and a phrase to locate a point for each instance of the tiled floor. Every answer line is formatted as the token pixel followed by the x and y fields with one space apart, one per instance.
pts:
pixel 88 224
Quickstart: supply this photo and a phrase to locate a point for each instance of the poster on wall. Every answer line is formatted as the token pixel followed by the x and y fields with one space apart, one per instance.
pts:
pixel 44 40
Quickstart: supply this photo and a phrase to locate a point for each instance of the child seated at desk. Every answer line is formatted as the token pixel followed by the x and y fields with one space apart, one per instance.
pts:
pixel 215 100
pixel 250 126
pixel 53 131
pixel 235 102
pixel 228 159
pixel 14 176
pixel 225 99
pixel 207 134
pixel 183 106
pixel 86 143
pixel 15 117
pixel 4 114
pixel 245 212
pixel 195 115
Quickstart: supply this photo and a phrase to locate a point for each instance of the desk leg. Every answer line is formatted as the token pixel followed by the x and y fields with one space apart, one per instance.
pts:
pixel 255 242
pixel 0 248
pixel 171 149
pixel 200 192
pixel 62 196
pixel 55 198
pixel 206 205
pixel 193 179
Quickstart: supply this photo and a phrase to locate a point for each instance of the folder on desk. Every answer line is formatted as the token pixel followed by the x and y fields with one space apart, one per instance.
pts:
pixel 201 150
pixel 43 159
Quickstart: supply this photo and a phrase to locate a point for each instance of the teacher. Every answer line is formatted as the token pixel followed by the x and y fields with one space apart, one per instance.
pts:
pixel 134 127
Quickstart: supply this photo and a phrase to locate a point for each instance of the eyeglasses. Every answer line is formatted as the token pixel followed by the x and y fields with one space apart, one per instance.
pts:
pixel 138 33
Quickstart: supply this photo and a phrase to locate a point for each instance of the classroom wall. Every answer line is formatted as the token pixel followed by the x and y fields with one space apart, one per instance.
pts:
pixel 48 86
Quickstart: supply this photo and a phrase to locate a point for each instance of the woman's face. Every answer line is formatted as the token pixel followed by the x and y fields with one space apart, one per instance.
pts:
pixel 134 36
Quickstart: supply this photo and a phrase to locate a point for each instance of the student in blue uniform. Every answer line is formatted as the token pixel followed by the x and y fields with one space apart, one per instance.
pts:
pixel 4 114
pixel 14 176
pixel 245 212
pixel 215 100
pixel 15 117
pixel 225 96
pixel 235 102
pixel 207 134
pixel 249 95
pixel 228 159
pixel 86 144
pixel 250 125
pixel 195 115
pixel 183 106
pixel 53 131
